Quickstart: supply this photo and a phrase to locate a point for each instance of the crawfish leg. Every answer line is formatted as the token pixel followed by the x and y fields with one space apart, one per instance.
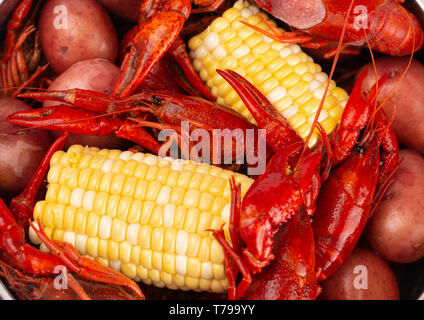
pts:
pixel 85 99
pixel 238 261
pixel 179 53
pixel 84 267
pixel 130 131
pixel 286 37
pixel 75 120
pixel 16 22
pixel 22 206
pixel 389 157
pixel 235 250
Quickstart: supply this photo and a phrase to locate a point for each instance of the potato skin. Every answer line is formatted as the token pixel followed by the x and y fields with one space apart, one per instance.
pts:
pixel 348 283
pixel 20 153
pixel 396 231
pixel 407 100
pixel 89 33
pixel 97 75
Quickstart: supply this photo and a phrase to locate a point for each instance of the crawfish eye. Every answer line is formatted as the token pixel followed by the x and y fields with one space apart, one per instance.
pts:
pixel 156 101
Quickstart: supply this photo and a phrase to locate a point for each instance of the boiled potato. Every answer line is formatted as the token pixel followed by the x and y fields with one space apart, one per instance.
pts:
pixel 407 100
pixel 77 30
pixel 97 75
pixel 396 230
pixel 20 151
pixel 363 276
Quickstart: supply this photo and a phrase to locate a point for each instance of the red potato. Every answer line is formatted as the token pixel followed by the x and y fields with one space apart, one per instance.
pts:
pixel 396 231
pixel 77 30
pixel 407 100
pixel 97 75
pixel 363 276
pixel 129 10
pixel 20 153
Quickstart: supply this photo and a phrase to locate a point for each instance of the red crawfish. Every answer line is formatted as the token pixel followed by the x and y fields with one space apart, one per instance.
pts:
pixel 19 62
pixel 288 184
pixel 158 32
pixel 354 188
pixel 169 108
pixel 389 27
pixel 290 181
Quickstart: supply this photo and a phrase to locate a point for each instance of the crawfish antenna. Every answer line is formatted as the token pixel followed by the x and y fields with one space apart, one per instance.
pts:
pixel 333 67
pixel 395 87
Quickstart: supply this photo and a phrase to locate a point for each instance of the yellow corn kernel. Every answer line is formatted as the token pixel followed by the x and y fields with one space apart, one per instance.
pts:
pixel 124 208
pixel 125 252
pixel 157 260
pixel 112 205
pixel 119 229
pixel 130 270
pixel 80 220
pixel 169 263
pixel 135 254
pixel 112 250
pixel 158 239
pixel 92 246
pixel 170 237
pixel 68 218
pixel 134 214
pixel 140 190
pixel 148 207
pixel 146 258
pixel 106 182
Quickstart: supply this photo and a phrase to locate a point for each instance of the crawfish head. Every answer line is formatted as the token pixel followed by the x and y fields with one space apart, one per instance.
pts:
pixel 273 199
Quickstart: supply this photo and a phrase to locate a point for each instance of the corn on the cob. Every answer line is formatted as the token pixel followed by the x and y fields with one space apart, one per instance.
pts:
pixel 282 72
pixel 141 214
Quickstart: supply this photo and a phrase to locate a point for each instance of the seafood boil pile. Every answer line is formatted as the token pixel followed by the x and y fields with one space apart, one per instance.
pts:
pixel 200 149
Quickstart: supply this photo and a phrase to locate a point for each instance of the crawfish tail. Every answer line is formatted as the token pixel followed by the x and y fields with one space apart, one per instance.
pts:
pixel 292 274
pixel 343 207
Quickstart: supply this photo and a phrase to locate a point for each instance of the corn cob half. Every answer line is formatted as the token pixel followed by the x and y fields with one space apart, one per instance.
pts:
pixel 282 72
pixel 141 214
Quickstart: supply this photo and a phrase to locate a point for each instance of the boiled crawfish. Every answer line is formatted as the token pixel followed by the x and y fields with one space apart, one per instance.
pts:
pixel 170 108
pixel 388 26
pixel 158 32
pixel 19 63
pixel 357 185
